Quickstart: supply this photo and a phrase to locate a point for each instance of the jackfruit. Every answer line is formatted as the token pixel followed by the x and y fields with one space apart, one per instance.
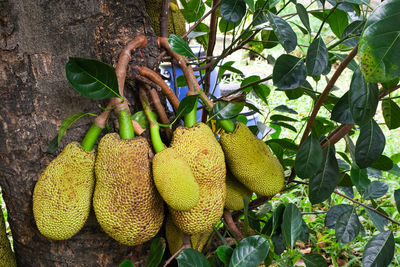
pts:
pixel 63 192
pixel 7 257
pixel 199 148
pixel 176 21
pixel 251 161
pixel 174 180
pixel 126 202
pixel 235 192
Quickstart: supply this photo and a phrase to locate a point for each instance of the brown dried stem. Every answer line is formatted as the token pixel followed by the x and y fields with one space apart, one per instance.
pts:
pixel 231 225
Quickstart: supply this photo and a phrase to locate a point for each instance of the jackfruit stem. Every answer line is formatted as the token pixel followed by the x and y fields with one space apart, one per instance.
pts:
pixel 227 125
pixel 156 138
pixel 190 119
pixel 126 131
pixel 91 137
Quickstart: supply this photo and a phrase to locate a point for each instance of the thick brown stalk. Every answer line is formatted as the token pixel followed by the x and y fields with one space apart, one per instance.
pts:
pixel 154 77
pixel 231 225
pixel 164 19
pixel 101 120
pixel 336 135
pixel 325 93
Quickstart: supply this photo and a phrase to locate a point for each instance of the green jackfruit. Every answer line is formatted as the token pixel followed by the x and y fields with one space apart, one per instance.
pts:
pixel 235 191
pixel 174 180
pixel 251 161
pixel 7 257
pixel 198 146
pixel 176 21
pixel 63 192
pixel 126 202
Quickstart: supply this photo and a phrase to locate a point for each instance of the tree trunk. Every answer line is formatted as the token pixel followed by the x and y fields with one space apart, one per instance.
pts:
pixel 37 37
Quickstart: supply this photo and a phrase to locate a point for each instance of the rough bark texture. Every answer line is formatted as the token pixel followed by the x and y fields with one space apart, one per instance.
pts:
pixel 36 39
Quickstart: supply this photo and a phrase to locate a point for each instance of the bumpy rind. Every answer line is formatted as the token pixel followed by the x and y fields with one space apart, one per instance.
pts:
pixel 126 202
pixel 198 146
pixel 174 180
pixel 63 192
pixel 235 192
pixel 251 161
pixel 7 257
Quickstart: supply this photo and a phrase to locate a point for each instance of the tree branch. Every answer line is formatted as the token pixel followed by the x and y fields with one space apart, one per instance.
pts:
pixel 231 224
pixel 164 19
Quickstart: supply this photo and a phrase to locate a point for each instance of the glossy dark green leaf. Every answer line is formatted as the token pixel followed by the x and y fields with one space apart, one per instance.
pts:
pixel 232 10
pixel 379 221
pixel 279 243
pixel 126 263
pixel 179 46
pixel 225 26
pixel 53 145
pixel 291 225
pixel 186 105
pixel 285 125
pixel 192 258
pixel 278 117
pixel 156 253
pixel 228 66
pixel 347 226
pixel 286 109
pixel 376 189
pixel 334 213
pixel 352 65
pixel 353 31
pixel 383 163
pixel 294 93
pixel 303 15
pixel 345 180
pixel 314 260
pixel 193 10
pixel 391 114
pixel 359 177
pixel 262 91
pixel 224 253
pixel 68 122
pixel 379 251
pixel 397 199
pixel 338 21
pixel 379 48
pixel 250 252
pixel 277 217
pixel 92 78
pixel 260 19
pixel 370 144
pixel 251 4
pixel 326 179
pixel 226 110
pixel 140 117
pixel 390 84
pixel 289 72
pixel 341 111
pixel 363 98
pixel 308 158
pixel 285 34
pixel 284 142
pixel 269 39
pixel 317 57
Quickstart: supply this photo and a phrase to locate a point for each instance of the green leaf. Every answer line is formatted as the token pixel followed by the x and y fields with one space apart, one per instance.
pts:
pixel 294 93
pixel 92 78
pixel 379 221
pixel 225 26
pixel 228 66
pixel 317 57
pixel 68 122
pixel 269 38
pixel 303 15
pixel 232 10
pixel 224 253
pixel 397 199
pixel 380 43
pixel 338 21
pixel 126 263
pixel 376 189
pixel 314 260
pixel 359 177
pixel 140 117
pixel 179 46
pixel 251 4
pixel 156 253
pixel 284 142
pixel 353 29
pixel 370 144
pixel 289 72
pixel 379 251
pixel 285 125
pixel 192 258
pixel 226 110
pixel 53 145
pixel 286 36
pixel 291 225
pixel 384 163
pixel 325 181
pixel 390 84
pixel 347 226
pixel 193 10
pixel 262 91
pixel 278 117
pixel 250 252
pixel 186 105
pixel 308 158
pixel 277 217
pixel 363 98
pixel 341 111
pixel 334 213
pixel 391 114
pixel 286 109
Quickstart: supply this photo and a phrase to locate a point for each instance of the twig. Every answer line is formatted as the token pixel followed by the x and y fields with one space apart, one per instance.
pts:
pixel 384 93
pixel 231 224
pixel 185 245
pixel 337 134
pixel 147 81
pixel 164 18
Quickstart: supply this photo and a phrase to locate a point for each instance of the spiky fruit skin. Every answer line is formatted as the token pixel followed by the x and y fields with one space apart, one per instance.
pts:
pixel 175 19
pixel 235 192
pixel 174 180
pixel 198 146
pixel 251 161
pixel 63 192
pixel 7 257
pixel 126 202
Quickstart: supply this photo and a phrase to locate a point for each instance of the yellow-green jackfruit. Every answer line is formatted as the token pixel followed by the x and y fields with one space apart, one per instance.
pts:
pixel 176 21
pixel 7 257
pixel 63 192
pixel 198 146
pixel 174 180
pixel 251 161
pixel 235 192
pixel 126 202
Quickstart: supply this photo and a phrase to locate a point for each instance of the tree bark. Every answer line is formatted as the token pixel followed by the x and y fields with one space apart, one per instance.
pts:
pixel 36 39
